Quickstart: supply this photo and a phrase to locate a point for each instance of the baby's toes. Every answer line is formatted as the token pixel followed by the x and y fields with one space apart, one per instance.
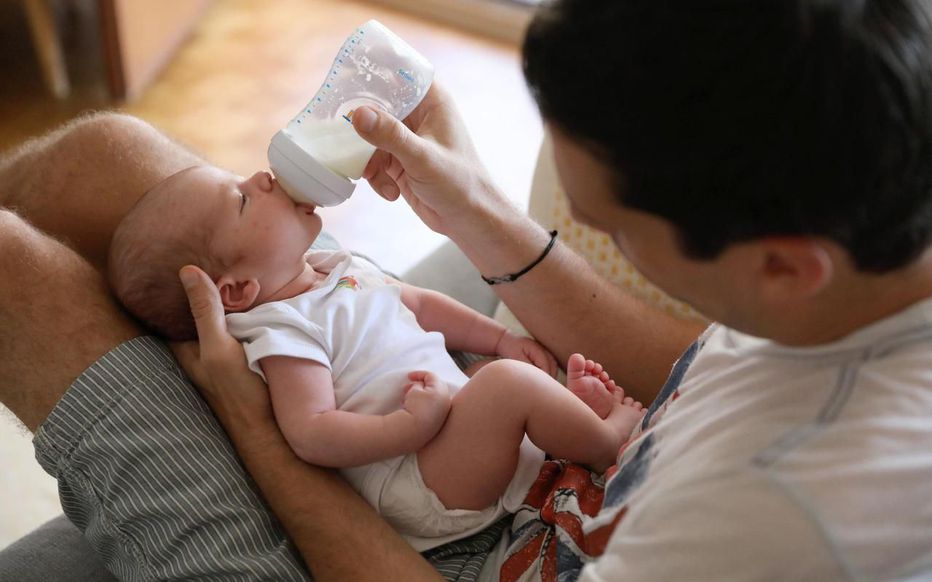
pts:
pixel 576 366
pixel 597 369
pixel 628 401
pixel 618 394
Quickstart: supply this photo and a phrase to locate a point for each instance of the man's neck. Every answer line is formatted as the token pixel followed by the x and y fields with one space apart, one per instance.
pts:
pixel 854 303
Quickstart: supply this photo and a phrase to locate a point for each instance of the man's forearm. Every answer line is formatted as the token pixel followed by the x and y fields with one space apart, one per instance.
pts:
pixel 569 308
pixel 337 533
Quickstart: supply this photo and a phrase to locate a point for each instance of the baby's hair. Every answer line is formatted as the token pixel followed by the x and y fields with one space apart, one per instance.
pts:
pixel 147 250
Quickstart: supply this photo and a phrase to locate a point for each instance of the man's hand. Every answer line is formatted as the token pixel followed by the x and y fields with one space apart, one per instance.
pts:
pixel 329 516
pixel 427 399
pixel 429 160
pixel 217 363
pixel 527 350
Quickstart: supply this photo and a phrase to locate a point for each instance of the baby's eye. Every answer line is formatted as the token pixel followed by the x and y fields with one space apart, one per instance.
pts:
pixel 242 204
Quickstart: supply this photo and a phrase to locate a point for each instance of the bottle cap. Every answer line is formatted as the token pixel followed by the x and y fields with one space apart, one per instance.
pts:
pixel 304 178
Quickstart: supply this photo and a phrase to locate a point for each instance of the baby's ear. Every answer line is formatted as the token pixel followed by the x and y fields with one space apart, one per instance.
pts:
pixel 237 295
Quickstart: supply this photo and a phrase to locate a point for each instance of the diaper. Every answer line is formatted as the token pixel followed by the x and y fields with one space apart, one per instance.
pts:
pixel 416 512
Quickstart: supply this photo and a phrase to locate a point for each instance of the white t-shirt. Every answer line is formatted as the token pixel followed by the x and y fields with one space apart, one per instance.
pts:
pixel 769 462
pixel 354 323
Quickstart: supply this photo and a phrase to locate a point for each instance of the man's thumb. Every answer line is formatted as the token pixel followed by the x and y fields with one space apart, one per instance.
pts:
pixel 385 132
pixel 206 306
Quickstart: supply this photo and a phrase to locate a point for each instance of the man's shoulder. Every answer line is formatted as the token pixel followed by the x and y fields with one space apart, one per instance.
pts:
pixel 779 454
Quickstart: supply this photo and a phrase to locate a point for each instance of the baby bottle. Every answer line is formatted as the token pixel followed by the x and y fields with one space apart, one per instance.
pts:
pixel 318 154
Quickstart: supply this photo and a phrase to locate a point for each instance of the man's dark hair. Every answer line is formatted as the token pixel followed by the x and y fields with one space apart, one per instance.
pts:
pixel 739 119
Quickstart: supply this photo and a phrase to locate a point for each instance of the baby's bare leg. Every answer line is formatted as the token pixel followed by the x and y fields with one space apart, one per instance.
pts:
pixel 473 458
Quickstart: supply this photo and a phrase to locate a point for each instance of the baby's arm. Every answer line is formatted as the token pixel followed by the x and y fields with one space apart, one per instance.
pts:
pixel 467 330
pixel 303 400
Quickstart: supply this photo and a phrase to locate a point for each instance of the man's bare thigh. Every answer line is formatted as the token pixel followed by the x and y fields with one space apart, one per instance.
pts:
pixel 73 185
pixel 56 319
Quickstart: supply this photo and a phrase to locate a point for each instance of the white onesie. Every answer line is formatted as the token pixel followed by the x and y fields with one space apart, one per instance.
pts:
pixel 355 324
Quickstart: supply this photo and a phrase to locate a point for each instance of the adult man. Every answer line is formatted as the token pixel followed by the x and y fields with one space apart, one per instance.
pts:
pixel 769 163
pixel 772 166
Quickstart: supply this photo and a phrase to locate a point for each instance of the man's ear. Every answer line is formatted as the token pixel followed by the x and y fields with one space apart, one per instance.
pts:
pixel 237 295
pixel 794 267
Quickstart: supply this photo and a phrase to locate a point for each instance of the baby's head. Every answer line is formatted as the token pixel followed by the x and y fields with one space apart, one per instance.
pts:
pixel 247 235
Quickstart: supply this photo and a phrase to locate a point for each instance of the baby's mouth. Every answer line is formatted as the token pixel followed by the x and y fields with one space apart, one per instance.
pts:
pixel 307 208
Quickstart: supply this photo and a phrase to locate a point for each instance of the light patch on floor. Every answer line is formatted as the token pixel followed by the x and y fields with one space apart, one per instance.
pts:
pixel 29 494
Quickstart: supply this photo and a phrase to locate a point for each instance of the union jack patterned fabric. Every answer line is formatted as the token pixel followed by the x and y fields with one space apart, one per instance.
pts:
pixel 570 512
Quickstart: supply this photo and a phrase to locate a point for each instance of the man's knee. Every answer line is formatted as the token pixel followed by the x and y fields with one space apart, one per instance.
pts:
pixel 90 130
pixel 78 182
pixel 106 128
pixel 103 137
pixel 106 122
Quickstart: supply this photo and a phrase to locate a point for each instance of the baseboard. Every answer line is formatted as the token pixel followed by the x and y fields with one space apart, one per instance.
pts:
pixel 499 19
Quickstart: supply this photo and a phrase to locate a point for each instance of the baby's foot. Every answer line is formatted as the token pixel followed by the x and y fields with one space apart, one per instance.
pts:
pixel 626 413
pixel 587 380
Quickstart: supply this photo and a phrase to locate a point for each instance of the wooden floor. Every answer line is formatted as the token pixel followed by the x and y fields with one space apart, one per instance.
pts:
pixel 250 66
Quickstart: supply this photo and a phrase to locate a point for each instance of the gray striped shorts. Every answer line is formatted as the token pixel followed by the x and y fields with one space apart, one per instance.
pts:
pixel 147 473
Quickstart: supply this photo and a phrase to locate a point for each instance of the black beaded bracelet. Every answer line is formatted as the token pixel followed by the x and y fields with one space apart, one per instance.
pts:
pixel 514 276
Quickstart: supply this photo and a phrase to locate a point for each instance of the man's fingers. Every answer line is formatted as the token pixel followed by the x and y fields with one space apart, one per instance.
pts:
pixel 205 303
pixel 377 163
pixel 385 186
pixel 385 132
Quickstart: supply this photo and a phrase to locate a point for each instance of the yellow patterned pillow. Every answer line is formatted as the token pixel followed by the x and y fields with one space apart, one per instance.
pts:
pixel 548 206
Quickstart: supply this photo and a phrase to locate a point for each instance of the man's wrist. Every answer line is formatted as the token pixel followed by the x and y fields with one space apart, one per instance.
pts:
pixel 501 339
pixel 499 237
pixel 237 416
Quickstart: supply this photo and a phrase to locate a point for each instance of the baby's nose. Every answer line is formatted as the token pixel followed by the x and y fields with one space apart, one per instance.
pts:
pixel 262 181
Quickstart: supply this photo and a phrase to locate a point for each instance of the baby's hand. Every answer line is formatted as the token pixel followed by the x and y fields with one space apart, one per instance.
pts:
pixel 525 349
pixel 427 399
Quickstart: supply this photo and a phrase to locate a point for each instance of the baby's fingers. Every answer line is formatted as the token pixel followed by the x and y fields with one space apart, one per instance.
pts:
pixel 552 366
pixel 418 375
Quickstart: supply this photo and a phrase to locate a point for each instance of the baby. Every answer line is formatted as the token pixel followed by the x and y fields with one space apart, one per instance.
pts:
pixel 355 380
